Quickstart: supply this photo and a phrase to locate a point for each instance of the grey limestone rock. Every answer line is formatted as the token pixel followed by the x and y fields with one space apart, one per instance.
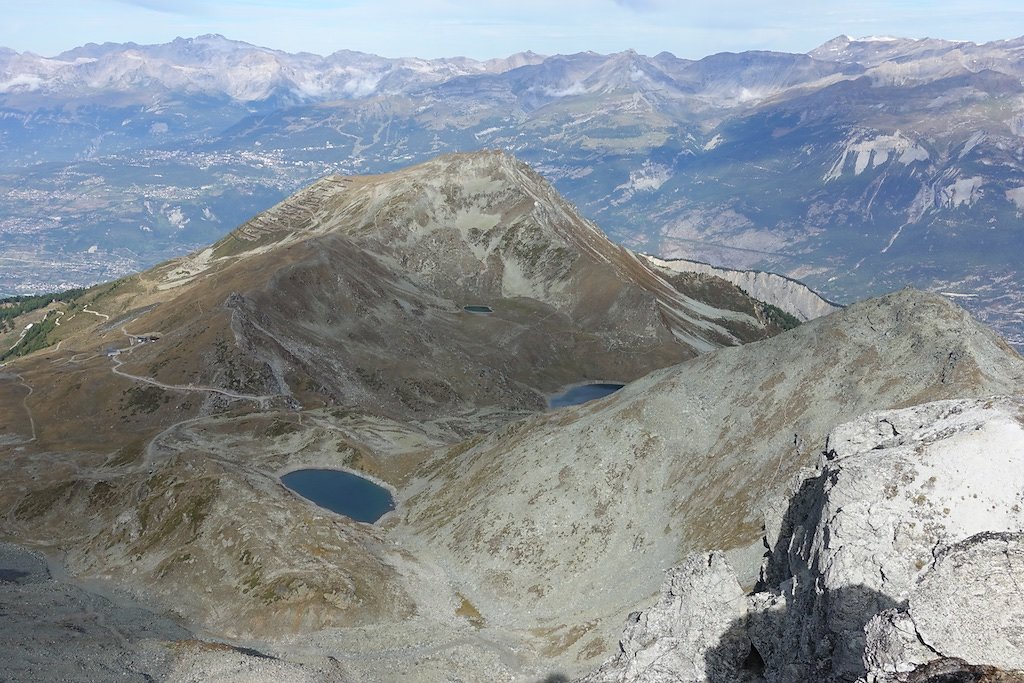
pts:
pixel 964 621
pixel 690 635
pixel 893 648
pixel 970 604
pixel 894 487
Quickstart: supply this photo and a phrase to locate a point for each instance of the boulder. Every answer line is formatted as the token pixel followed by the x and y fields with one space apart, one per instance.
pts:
pixel 970 604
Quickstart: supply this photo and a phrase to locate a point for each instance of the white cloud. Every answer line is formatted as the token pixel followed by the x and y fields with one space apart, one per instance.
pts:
pixel 639 5
pixel 183 7
pixel 497 28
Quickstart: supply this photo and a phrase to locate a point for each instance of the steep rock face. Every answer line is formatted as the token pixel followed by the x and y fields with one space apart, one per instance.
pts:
pixel 682 460
pixel 908 533
pixel 964 618
pixel 893 488
pixel 689 636
pixel 979 581
pixel 791 296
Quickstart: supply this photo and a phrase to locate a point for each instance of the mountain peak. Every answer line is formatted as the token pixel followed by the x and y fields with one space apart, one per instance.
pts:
pixel 324 273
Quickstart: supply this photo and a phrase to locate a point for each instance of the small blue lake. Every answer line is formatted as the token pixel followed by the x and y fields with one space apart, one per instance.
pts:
pixel 478 309
pixel 342 492
pixel 582 393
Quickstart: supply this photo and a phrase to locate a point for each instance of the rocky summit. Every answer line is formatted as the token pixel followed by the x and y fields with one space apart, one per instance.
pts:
pixel 897 558
pixel 409 328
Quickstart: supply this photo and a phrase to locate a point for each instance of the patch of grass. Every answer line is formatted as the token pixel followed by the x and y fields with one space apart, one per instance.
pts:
pixel 460 448
pixel 281 428
pixel 170 510
pixel 561 638
pixel 277 589
pixel 468 611
pixel 102 495
pixel 594 648
pixel 126 455
pixel 147 399
pixel 254 578
pixel 171 562
pixel 39 502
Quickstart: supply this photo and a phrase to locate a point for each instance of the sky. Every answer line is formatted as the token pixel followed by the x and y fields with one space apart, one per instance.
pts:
pixel 498 28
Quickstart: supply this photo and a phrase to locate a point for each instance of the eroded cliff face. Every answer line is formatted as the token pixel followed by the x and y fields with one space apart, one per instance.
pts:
pixel 899 558
pixel 792 296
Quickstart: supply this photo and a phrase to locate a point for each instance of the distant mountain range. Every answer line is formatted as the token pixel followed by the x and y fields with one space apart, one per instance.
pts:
pixel 859 167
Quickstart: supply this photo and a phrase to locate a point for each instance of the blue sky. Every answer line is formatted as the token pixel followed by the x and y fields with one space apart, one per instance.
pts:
pixel 495 28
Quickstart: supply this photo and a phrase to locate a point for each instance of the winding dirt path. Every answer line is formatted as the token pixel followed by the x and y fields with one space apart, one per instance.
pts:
pixel 28 411
pixel 86 309
pixel 115 356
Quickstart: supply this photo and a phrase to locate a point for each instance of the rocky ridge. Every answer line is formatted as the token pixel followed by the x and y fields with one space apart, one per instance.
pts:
pixel 899 558
pixel 682 460
pixel 216 67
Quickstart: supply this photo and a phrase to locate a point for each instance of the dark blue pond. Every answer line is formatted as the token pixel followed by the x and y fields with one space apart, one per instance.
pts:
pixel 583 393
pixel 342 492
pixel 479 310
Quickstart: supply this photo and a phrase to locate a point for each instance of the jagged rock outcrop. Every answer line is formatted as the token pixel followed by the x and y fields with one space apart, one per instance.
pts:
pixel 893 487
pixel 689 635
pixel 904 547
pixel 986 575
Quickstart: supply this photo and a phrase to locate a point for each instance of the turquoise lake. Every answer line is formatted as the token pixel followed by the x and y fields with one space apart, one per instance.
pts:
pixel 342 492
pixel 583 393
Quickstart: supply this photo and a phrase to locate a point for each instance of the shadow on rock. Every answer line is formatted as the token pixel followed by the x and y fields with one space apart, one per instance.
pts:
pixel 797 628
pixel 803 510
pixel 823 641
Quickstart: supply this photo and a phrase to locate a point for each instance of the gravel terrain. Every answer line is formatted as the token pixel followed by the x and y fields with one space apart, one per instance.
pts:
pixel 56 631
